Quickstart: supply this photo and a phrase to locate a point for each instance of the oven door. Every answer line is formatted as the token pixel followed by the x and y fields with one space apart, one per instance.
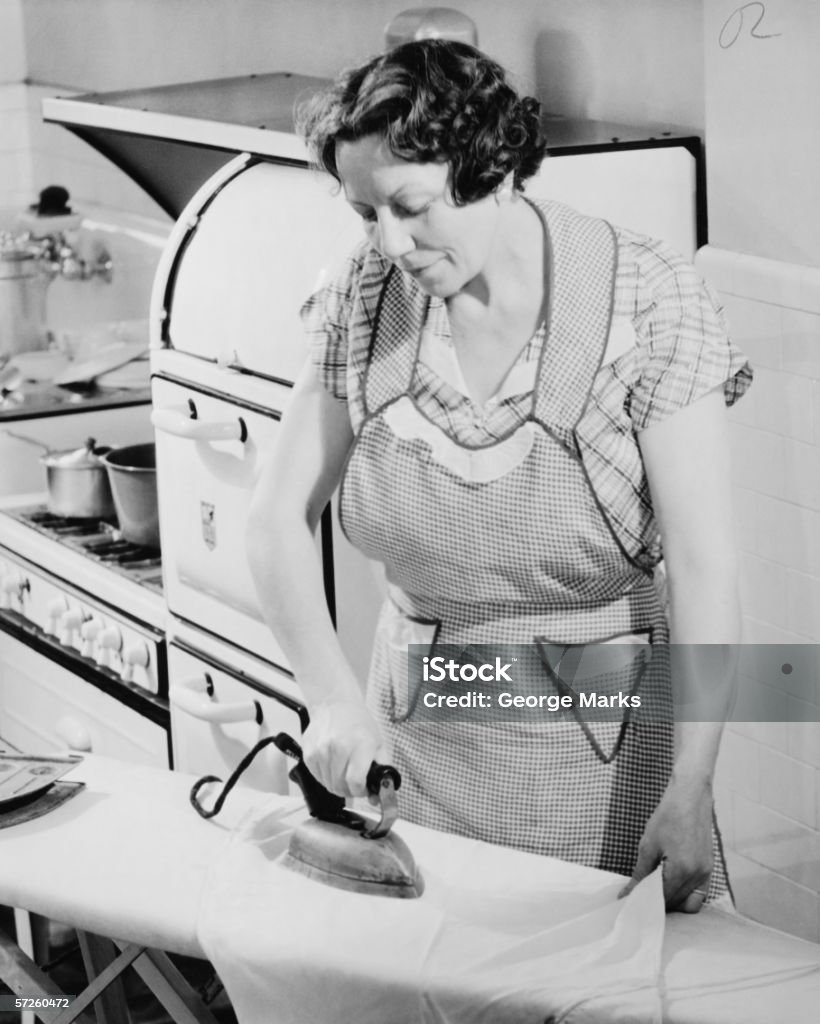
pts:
pixel 210 449
pixel 52 698
pixel 209 453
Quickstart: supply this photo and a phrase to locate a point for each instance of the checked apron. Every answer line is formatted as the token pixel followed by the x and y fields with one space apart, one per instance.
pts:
pixel 523 554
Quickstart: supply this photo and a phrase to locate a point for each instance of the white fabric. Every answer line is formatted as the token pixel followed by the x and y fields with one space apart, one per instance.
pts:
pixel 475 465
pixel 498 936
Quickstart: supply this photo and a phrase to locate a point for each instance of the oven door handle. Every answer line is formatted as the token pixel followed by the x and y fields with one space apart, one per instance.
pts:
pixel 182 424
pixel 195 697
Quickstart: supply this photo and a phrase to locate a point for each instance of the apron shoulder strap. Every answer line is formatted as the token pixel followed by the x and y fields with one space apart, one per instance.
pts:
pixel 394 340
pixel 582 255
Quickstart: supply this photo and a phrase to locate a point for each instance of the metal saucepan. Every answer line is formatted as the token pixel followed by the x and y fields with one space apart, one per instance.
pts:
pixel 132 474
pixel 77 480
pixel 78 483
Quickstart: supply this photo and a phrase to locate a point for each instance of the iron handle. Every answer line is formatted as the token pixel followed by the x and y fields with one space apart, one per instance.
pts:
pixel 382 781
pixel 379 774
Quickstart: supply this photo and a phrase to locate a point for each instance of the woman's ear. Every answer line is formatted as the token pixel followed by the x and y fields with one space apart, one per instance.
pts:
pixel 504 192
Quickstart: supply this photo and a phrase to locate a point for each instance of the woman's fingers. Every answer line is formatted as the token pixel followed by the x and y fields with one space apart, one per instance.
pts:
pixel 693 903
pixel 339 746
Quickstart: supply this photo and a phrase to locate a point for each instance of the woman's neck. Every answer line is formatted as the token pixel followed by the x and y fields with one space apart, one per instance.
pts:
pixel 512 280
pixel 493 318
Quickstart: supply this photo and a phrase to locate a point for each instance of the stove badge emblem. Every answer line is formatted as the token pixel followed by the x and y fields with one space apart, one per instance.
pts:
pixel 207 513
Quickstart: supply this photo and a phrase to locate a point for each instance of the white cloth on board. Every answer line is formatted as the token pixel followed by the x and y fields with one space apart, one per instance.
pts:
pixel 498 937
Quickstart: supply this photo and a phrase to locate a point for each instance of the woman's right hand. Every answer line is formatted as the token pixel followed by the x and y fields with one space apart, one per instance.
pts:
pixel 341 742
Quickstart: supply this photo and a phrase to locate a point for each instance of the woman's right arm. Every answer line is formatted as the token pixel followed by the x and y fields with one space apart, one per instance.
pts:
pixel 293 489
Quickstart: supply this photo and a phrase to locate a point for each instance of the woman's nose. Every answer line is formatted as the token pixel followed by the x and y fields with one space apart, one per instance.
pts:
pixel 392 239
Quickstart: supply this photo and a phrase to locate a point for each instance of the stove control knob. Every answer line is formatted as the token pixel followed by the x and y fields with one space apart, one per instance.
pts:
pixel 13 586
pixel 134 656
pixel 109 642
pixel 89 631
pixel 56 608
pixel 70 622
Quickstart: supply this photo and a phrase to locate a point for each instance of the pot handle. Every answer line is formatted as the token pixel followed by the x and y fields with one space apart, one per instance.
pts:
pixel 27 440
pixel 194 697
pixel 180 424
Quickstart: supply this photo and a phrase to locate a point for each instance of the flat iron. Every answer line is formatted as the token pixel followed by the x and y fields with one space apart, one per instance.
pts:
pixel 341 848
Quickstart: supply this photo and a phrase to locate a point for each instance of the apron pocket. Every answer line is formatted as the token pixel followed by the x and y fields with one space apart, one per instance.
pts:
pixel 603 678
pixel 407 640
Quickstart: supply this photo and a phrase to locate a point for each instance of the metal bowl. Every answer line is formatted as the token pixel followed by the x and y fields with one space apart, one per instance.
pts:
pixel 132 474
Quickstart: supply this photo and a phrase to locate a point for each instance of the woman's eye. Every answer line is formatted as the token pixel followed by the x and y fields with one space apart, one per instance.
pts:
pixel 406 211
pixel 368 215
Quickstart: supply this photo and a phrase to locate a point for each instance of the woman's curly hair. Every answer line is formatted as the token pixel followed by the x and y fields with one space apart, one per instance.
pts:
pixel 434 100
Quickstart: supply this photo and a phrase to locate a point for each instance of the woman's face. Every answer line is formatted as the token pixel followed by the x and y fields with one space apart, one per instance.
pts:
pixel 410 217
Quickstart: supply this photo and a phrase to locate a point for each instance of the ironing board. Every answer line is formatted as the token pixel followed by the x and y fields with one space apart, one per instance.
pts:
pixel 122 862
pixel 129 860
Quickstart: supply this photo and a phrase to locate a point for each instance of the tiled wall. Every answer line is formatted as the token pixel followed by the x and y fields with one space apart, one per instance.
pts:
pixel 60 158
pixel 15 157
pixel 15 147
pixel 34 154
pixel 768 784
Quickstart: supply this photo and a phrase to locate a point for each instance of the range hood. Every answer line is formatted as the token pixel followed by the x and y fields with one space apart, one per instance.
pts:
pixel 171 139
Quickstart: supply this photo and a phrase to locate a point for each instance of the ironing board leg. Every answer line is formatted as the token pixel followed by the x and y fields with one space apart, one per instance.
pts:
pixel 96 988
pixel 32 938
pixel 99 958
pixel 19 972
pixel 172 990
pixel 24 977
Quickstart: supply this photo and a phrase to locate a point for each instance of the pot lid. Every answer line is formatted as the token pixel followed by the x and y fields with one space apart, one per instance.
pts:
pixel 87 457
pixel 171 139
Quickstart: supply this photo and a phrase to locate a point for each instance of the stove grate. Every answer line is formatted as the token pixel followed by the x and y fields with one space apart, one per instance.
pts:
pixel 99 540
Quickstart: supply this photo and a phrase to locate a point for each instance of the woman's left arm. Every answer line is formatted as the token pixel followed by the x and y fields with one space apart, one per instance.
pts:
pixel 686 457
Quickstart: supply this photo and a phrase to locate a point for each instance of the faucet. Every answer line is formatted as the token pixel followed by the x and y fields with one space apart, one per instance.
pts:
pixel 63 260
pixel 55 253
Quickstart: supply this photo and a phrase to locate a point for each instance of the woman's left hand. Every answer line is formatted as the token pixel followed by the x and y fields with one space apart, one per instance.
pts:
pixel 679 836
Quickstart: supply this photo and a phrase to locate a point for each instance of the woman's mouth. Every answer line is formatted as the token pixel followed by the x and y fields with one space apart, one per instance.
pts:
pixel 417 270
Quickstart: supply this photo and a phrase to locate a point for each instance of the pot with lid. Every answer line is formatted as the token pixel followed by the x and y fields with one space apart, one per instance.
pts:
pixel 78 484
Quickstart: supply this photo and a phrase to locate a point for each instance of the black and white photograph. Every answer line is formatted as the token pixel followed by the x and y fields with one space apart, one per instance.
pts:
pixel 409 512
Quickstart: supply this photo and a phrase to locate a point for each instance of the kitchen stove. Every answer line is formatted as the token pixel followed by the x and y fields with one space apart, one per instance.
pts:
pixel 80 606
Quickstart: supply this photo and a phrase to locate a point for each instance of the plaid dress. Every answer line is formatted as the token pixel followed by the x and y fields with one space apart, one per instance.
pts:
pixel 525 521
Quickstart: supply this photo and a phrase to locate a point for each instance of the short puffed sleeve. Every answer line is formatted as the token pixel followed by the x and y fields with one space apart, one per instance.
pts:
pixel 328 317
pixel 684 348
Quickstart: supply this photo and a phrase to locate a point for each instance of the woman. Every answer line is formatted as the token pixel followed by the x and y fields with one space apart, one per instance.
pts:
pixel 520 403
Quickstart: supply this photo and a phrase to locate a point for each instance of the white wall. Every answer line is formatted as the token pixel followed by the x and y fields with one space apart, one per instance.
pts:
pixel 635 60
pixel 15 156
pixel 762 111
pixel 762 96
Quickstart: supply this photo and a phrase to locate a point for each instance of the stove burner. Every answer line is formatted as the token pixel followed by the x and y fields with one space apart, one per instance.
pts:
pixel 124 553
pixel 67 525
pixel 107 547
pixel 99 540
